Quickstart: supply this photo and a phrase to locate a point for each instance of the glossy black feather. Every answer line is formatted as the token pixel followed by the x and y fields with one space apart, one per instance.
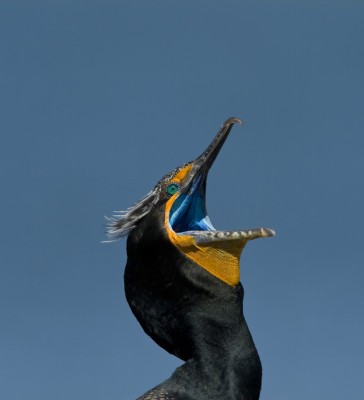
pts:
pixel 192 315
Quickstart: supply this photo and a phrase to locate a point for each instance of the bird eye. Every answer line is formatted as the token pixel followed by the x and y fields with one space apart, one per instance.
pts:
pixel 172 189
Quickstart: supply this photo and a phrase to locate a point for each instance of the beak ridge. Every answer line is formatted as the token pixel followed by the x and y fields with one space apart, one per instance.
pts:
pixel 206 159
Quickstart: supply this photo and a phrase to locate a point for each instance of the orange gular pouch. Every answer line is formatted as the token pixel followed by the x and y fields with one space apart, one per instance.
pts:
pixel 191 231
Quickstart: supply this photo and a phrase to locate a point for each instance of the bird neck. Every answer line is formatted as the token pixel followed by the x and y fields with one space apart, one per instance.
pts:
pixel 193 315
pixel 225 365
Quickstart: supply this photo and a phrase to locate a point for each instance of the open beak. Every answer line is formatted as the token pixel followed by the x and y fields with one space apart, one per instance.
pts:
pixel 188 214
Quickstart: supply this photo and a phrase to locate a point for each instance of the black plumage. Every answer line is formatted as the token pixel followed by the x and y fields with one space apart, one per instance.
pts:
pixel 186 307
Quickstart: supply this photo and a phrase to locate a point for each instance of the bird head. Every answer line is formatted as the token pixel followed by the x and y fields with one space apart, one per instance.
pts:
pixel 175 210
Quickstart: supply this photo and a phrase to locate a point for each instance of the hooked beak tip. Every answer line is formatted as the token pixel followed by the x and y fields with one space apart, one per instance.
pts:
pixel 233 120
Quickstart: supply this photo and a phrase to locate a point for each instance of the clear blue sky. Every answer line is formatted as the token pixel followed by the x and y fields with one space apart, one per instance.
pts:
pixel 98 100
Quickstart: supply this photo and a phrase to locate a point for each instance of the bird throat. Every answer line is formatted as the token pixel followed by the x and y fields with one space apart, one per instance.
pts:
pixel 219 257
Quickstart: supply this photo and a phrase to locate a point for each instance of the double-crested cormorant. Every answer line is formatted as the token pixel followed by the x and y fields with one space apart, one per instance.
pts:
pixel 182 284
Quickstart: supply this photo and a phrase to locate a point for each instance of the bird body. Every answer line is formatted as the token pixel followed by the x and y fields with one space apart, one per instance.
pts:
pixel 182 284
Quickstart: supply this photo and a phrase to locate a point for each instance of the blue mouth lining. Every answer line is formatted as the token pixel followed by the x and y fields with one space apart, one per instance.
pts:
pixel 188 212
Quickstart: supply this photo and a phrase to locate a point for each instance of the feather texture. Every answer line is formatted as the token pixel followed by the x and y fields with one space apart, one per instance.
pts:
pixel 122 222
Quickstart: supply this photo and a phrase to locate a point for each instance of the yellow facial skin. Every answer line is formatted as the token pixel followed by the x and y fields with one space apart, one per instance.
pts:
pixel 219 258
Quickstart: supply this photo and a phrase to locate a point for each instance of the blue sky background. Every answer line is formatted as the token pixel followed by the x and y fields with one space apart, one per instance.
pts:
pixel 98 100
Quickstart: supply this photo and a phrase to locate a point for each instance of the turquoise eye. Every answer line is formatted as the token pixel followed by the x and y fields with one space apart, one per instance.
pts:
pixel 172 189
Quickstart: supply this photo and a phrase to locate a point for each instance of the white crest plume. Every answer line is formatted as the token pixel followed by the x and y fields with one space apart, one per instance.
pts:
pixel 122 222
